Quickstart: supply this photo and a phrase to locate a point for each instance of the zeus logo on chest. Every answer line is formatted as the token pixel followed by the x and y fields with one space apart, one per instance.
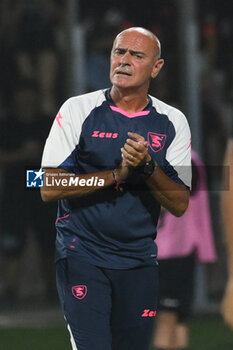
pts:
pixel 102 135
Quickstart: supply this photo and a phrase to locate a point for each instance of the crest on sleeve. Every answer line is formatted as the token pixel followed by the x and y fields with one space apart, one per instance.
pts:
pixel 156 141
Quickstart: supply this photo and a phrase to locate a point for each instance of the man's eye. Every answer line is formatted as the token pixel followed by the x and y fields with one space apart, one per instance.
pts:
pixel 139 56
pixel 119 52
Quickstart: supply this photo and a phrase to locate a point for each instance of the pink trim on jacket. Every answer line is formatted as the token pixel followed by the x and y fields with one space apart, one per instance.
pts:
pixel 129 115
pixel 61 217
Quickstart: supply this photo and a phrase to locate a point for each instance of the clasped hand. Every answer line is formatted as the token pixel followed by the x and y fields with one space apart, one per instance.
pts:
pixel 134 153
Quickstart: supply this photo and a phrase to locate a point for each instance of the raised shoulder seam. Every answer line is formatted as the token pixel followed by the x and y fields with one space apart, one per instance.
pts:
pixel 92 99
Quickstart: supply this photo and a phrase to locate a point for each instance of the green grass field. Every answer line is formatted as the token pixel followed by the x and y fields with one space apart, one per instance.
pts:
pixel 207 333
pixel 210 333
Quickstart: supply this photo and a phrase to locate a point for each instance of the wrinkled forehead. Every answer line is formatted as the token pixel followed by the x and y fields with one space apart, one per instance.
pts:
pixel 136 41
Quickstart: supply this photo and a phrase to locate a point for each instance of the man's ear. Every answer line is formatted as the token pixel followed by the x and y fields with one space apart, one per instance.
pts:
pixel 157 67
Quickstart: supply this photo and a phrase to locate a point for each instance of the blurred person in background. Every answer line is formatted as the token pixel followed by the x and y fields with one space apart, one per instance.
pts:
pixel 227 218
pixel 181 243
pixel 98 38
pixel 21 143
pixel 9 12
pixel 30 49
pixel 30 70
pixel 38 48
pixel 99 43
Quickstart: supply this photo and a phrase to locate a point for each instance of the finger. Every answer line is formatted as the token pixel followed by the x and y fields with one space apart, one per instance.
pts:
pixel 144 143
pixel 124 162
pixel 136 136
pixel 137 145
pixel 128 158
pixel 130 149
pixel 139 152
pixel 131 159
pixel 132 153
pixel 127 153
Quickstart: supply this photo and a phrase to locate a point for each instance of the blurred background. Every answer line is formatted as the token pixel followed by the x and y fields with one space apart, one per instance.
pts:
pixel 53 49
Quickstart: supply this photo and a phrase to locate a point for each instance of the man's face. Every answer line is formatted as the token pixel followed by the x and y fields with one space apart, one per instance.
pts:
pixel 133 60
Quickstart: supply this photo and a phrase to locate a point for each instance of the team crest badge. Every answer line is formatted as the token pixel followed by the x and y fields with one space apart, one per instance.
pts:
pixel 79 291
pixel 156 141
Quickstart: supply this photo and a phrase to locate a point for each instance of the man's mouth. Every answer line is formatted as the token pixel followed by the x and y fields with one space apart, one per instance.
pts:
pixel 123 73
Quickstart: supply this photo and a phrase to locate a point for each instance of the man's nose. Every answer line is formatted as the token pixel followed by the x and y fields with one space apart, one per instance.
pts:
pixel 125 59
